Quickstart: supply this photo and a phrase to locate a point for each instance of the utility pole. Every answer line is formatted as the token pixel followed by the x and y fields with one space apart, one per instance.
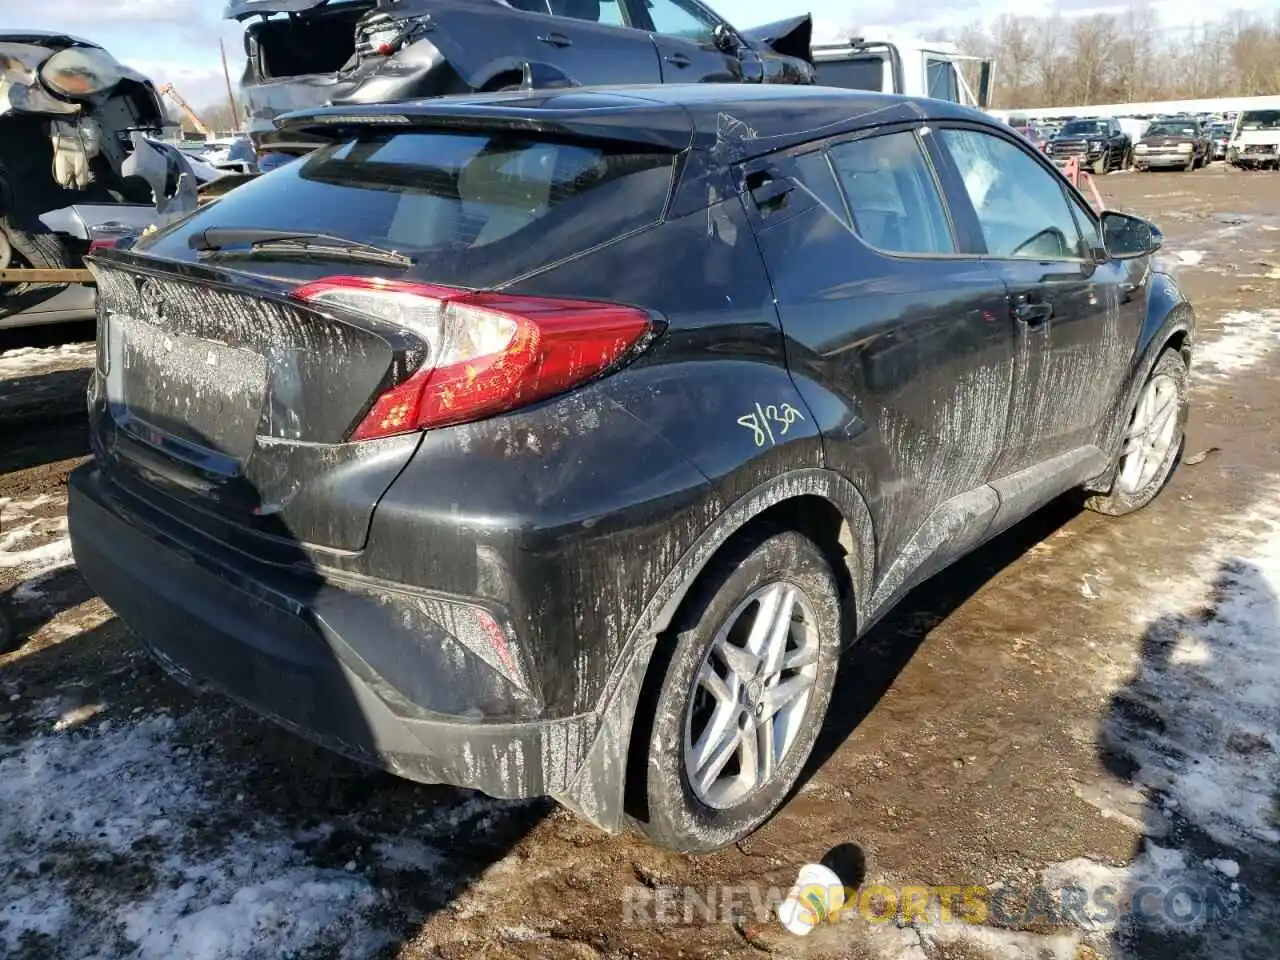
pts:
pixel 231 97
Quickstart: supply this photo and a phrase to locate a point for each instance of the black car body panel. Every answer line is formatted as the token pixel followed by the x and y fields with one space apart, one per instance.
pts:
pixel 361 52
pixel 478 603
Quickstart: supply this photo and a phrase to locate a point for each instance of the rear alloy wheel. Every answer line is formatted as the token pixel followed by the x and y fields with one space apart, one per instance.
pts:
pixel 1153 441
pixel 743 693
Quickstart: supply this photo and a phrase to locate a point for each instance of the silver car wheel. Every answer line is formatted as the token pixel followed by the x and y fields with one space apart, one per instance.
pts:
pixel 750 696
pixel 1152 432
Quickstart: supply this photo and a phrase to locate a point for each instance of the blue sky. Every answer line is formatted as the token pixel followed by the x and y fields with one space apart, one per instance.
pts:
pixel 176 41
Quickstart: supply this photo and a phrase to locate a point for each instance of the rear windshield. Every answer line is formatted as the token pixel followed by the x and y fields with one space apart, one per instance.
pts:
pixel 465 205
pixel 863 73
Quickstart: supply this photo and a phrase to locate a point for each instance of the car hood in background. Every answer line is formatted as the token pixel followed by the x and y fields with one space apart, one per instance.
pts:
pixel 791 37
pixel 1265 137
pixel 1162 140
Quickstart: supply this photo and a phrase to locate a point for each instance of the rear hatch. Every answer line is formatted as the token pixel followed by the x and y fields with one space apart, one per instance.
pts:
pixel 247 383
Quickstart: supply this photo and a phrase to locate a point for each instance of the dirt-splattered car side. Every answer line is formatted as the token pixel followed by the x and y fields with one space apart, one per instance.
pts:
pixel 555 443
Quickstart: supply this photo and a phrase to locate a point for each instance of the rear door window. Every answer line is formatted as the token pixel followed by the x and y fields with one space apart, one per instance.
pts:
pixel 892 194
pixel 455 200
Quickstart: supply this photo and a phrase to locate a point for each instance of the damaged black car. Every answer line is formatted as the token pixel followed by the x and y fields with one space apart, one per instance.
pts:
pixel 555 443
pixel 308 53
pixel 77 152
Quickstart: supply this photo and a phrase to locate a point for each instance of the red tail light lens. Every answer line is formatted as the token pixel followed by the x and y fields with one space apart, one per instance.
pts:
pixel 488 352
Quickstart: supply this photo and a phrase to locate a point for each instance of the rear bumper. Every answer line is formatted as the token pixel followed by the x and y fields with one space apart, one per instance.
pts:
pixel 374 678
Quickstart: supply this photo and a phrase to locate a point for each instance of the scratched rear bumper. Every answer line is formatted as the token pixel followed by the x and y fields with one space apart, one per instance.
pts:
pixel 336 665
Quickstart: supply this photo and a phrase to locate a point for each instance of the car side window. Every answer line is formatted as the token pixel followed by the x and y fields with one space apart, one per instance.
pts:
pixel 676 19
pixel 892 194
pixel 815 175
pixel 1021 207
pixel 1087 221
pixel 607 12
pixel 942 80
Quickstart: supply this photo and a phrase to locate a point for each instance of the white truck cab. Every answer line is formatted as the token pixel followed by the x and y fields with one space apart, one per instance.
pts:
pixel 907 65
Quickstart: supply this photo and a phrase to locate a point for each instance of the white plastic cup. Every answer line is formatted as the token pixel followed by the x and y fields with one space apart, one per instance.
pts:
pixel 816 897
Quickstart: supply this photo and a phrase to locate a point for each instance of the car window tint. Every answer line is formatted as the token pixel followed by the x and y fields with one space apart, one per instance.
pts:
pixel 942 80
pixel 1021 206
pixel 1087 221
pixel 608 12
pixel 466 201
pixel 816 176
pixel 677 19
pixel 892 194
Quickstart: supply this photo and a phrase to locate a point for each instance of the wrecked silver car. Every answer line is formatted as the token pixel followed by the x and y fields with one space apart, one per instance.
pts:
pixel 76 156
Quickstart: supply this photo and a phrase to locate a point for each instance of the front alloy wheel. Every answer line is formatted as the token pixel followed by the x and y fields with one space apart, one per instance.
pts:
pixel 1153 441
pixel 738 693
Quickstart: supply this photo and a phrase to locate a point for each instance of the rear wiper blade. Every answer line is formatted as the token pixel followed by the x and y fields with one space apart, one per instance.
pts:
pixel 265 240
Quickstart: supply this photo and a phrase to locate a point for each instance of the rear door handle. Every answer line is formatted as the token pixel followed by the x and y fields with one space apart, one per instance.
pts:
pixel 677 60
pixel 1033 314
pixel 557 40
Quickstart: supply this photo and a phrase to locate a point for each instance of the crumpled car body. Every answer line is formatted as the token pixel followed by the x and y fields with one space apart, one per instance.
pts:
pixel 307 53
pixel 75 129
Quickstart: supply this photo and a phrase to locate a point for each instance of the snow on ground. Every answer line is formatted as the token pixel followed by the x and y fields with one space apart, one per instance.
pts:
pixel 88 802
pixel 25 361
pixel 35 545
pixel 1245 339
pixel 1190 258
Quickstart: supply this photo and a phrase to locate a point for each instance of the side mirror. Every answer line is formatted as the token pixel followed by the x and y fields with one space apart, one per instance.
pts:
pixel 1126 236
pixel 724 39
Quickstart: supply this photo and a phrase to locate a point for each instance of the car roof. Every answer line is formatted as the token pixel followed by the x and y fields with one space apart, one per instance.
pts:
pixel 45 38
pixel 736 121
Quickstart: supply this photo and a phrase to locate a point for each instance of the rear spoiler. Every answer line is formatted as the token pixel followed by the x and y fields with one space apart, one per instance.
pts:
pixel 659 126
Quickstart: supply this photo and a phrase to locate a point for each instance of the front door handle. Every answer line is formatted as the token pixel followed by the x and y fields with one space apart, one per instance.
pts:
pixel 557 40
pixel 1033 314
pixel 677 60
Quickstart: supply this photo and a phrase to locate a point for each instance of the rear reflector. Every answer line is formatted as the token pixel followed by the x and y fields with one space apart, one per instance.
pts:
pixel 487 352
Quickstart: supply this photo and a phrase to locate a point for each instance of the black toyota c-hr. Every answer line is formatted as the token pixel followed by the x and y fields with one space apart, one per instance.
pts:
pixel 554 443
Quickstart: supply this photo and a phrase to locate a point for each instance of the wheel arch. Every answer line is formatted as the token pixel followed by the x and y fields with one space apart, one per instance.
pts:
pixel 820 503
pixel 1169 324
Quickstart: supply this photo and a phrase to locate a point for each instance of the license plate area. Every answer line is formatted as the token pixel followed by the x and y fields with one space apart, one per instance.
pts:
pixel 162 384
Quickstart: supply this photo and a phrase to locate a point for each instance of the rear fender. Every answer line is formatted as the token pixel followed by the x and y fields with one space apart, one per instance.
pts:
pixel 597 790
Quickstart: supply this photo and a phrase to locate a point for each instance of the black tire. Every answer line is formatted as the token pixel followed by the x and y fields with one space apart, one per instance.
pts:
pixel 1121 500
pixel 675 816
pixel 38 249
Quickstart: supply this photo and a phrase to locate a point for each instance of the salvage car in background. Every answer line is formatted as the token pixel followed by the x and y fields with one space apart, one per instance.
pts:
pixel 1255 144
pixel 306 53
pixel 75 156
pixel 1099 144
pixel 1172 143
pixel 555 442
pixel 1219 140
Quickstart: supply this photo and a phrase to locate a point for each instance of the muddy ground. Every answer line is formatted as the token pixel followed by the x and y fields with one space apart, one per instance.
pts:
pixel 1085 710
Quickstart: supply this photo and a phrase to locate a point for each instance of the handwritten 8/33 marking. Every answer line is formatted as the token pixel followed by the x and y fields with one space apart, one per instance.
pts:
pixel 768 423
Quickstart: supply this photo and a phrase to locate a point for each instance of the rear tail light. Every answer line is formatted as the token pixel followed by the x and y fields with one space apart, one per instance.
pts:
pixel 487 352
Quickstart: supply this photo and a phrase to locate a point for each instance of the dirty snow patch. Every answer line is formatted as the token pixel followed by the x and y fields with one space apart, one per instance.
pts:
pixel 90 803
pixel 1246 338
pixel 25 361
pixel 1190 258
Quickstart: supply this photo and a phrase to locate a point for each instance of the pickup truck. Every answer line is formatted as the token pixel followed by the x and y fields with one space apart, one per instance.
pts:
pixel 907 65
pixel 1099 144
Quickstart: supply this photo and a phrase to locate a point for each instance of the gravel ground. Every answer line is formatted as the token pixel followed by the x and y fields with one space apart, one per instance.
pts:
pixel 1067 746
